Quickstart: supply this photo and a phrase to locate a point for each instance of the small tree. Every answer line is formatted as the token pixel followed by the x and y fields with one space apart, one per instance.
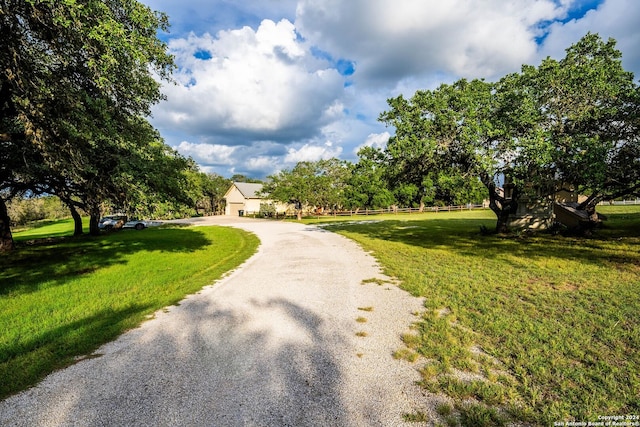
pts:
pixel 316 184
pixel 366 185
pixel 214 188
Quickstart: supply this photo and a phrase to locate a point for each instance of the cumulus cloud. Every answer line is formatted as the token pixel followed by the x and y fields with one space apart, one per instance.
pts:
pixel 614 18
pixel 263 84
pixel 390 41
pixel 208 154
pixel 312 153
pixel 246 85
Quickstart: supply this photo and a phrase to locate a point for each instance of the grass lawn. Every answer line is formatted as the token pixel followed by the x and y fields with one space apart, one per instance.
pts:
pixel 47 229
pixel 63 298
pixel 536 329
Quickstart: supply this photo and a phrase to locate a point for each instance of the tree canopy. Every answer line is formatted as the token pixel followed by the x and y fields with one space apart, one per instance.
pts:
pixel 572 122
pixel 77 81
pixel 318 184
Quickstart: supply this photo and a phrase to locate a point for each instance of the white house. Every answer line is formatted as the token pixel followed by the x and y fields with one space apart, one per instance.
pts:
pixel 243 196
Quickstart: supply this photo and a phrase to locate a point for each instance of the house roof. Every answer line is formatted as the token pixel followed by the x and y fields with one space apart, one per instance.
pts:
pixel 249 190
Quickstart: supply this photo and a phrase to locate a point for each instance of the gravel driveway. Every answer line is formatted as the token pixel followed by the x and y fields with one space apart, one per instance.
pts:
pixel 272 344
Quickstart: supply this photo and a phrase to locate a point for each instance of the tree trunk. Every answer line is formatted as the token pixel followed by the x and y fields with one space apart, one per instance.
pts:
pixel 299 214
pixel 94 218
pixel 77 221
pixel 6 238
pixel 499 205
pixel 502 224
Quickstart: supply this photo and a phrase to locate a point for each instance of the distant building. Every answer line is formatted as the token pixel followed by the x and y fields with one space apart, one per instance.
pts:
pixel 243 196
pixel 540 208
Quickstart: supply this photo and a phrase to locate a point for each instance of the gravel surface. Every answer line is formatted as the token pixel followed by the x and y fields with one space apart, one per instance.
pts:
pixel 272 344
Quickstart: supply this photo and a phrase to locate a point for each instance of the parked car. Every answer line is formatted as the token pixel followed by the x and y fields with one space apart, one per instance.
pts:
pixel 111 222
pixel 140 224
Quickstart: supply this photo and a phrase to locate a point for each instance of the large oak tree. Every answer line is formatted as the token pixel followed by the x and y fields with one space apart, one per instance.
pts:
pixel 75 78
pixel 572 122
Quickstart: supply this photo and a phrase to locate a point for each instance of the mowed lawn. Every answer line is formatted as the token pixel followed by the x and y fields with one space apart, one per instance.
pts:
pixel 61 298
pixel 530 328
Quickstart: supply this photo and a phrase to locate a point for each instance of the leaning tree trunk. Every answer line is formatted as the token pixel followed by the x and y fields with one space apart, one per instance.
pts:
pixel 6 238
pixel 502 207
pixel 77 221
pixel 502 224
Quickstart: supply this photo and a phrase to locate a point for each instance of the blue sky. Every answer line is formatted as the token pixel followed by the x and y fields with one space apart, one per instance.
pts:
pixel 263 84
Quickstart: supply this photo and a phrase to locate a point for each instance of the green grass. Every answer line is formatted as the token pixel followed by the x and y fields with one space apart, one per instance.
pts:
pixel 64 299
pixel 534 328
pixel 47 229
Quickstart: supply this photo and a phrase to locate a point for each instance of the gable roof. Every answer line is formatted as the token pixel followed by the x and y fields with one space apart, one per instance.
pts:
pixel 249 190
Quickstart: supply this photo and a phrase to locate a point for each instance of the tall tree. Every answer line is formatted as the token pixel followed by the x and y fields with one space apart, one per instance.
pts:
pixel 585 127
pixel 448 135
pixel 568 122
pixel 73 76
pixel 214 188
pixel 366 185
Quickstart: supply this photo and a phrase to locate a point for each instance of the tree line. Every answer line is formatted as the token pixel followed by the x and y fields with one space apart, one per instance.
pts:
pixel 569 124
pixel 77 82
pixel 334 184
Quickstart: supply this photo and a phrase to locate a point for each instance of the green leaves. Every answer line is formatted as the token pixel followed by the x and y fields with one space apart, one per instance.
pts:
pixel 565 122
pixel 441 132
pixel 80 77
pixel 310 184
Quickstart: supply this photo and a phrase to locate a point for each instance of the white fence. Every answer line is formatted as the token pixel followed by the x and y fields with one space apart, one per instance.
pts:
pixel 622 202
pixel 398 210
pixel 366 212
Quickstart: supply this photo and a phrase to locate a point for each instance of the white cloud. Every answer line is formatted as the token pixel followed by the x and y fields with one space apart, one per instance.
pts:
pixel 252 85
pixel 257 93
pixel 262 164
pixel 312 153
pixel 614 18
pixel 375 140
pixel 208 154
pixel 392 40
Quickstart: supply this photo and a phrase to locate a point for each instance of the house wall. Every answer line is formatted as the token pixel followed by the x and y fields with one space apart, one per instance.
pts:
pixel 235 201
pixel 252 205
pixel 234 196
pixel 540 214
pixel 533 214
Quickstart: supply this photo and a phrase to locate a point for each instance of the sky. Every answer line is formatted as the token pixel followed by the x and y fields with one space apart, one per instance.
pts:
pixel 263 84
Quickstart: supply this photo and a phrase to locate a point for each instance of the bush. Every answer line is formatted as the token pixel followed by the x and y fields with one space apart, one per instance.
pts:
pixel 267 210
pixel 25 210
